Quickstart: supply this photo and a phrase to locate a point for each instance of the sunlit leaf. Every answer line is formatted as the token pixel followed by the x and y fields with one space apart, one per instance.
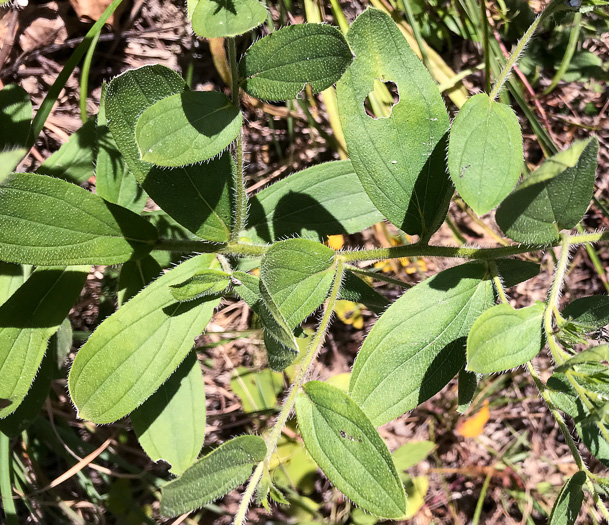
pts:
pixel 222 18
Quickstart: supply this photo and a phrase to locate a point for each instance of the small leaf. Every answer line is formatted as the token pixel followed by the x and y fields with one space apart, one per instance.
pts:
pixel 569 501
pixel 468 384
pixel 213 476
pixel 11 278
pixel 355 289
pixel 47 221
pixel 503 338
pixel 137 348
pixel 15 117
pixel 9 161
pixel 594 354
pixel 485 152
pixel 256 390
pixel 202 283
pixel 27 320
pixel 417 346
pixel 553 198
pixel 322 200
pixel 170 425
pixel 214 19
pixel 411 454
pixel 592 313
pixel 278 66
pixel 187 128
pixel 135 275
pixel 349 450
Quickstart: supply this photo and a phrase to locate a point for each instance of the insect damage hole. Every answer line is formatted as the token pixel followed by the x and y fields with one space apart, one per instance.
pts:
pixel 380 101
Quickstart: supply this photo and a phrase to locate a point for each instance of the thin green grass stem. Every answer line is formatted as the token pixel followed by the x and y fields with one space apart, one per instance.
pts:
pixel 569 52
pixel 6 486
pixel 84 78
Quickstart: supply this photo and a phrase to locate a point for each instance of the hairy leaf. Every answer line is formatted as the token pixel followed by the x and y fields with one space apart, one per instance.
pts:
pixel 593 354
pixel 323 200
pixel 15 117
pixel 170 425
pixel 590 312
pixel 48 221
pixel 137 348
pixel 515 271
pixel 503 338
pixel 553 198
pixel 135 275
pixel 213 476
pixel 569 501
pixel 349 450
pixel 222 18
pixel 27 320
pixel 355 289
pixel 417 346
pixel 202 283
pixel 278 66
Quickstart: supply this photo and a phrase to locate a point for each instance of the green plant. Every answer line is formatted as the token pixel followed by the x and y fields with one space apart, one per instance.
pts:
pixel 154 137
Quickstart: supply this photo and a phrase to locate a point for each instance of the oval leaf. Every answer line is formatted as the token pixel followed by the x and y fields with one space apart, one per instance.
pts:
pixel 187 128
pixel 592 312
pixel 278 66
pixel 485 152
pixel 569 501
pixel 213 476
pixel 400 160
pixel 205 282
pixel 47 221
pixel 213 19
pixel 553 198
pixel 503 338
pixel 349 450
pixel 417 346
pixel 137 348
pixel 178 404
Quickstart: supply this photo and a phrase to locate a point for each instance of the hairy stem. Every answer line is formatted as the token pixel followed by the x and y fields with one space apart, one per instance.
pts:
pixel 288 404
pixel 497 283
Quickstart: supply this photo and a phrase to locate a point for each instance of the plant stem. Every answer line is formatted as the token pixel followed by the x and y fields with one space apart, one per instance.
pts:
pixel 414 24
pixel 497 282
pixel 288 404
pixel 553 6
pixel 84 78
pixel 485 46
pixel 6 487
pixel 239 182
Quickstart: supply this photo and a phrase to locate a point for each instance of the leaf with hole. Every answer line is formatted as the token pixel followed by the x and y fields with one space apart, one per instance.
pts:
pixel 170 425
pixel 136 349
pixel 205 282
pixel 225 18
pixel 485 152
pixel 418 345
pixel 278 66
pixel 503 338
pixel 187 128
pixel 400 160
pixel 553 198
pixel 213 476
pixel 569 501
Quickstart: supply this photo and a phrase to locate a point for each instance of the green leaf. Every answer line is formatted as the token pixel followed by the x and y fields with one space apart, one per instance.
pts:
pixel 278 66
pixel 323 200
pixel 170 230
pixel 594 354
pixel 247 287
pixel 553 198
pixel 11 278
pixel 592 313
pixel 515 271
pixel 417 346
pixel 569 501
pixel 297 274
pixel 170 425
pixel 468 384
pixel 400 160
pixel 9 161
pixel 411 454
pixel 256 390
pixel 213 476
pixel 218 19
pixel 27 320
pixel 74 161
pixel 485 152
pixel 48 221
pixel 137 348
pixel 355 289
pixel 503 338
pixel 279 355
pixel 135 275
pixel 205 282
pixel 15 117
pixel 113 180
pixel 186 128
pixel 349 450
pixel 197 197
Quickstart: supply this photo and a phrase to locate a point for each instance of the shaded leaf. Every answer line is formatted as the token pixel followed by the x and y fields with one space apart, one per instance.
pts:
pixel 135 275
pixel 357 290
pixel 515 271
pixel 9 161
pixel 225 18
pixel 468 384
pixel 11 278
pixel 569 501
pixel 591 313
pixel 15 117
pixel 205 282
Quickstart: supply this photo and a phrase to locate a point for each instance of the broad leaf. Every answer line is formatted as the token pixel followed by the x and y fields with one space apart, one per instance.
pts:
pixel 355 289
pixel 468 384
pixel 515 271
pixel 553 198
pixel 213 476
pixel 569 501
pixel 400 160
pixel 256 390
pixel 592 312
pixel 218 19
pixel 202 283
pixel 278 66
pixel 48 221
pixel 169 230
pixel 9 161
pixel 74 161
pixel 485 152
pixel 326 199
pixel 503 338
pixel 417 346
pixel 27 320
pixel 297 274
pixel 15 117
pixel 186 128
pixel 135 275
pixel 137 348
pixel 349 450
pixel 11 278
pixel 170 425
pixel 198 197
